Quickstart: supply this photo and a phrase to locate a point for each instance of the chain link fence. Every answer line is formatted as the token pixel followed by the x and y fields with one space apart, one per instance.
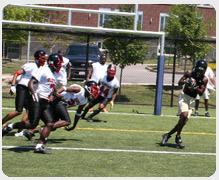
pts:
pixel 138 82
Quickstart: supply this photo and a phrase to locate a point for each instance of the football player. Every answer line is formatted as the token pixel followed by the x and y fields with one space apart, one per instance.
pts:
pixel 65 72
pixel 21 90
pixel 108 89
pixel 41 86
pixel 97 71
pixel 187 98
pixel 67 97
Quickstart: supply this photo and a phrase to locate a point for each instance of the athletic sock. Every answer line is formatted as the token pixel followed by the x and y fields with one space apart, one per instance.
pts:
pixel 38 146
pixel 11 125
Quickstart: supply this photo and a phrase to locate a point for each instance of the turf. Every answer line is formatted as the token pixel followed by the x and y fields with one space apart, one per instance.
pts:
pixel 126 127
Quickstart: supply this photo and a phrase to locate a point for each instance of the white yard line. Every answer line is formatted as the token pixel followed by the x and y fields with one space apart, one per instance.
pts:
pixel 132 114
pixel 112 150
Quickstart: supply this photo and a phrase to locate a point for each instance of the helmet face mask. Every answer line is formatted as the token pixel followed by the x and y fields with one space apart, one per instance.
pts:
pixel 200 71
pixel 111 71
pixel 92 88
pixel 201 67
pixel 55 62
pixel 40 57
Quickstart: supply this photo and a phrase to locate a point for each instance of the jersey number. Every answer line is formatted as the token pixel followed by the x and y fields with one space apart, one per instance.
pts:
pixel 72 102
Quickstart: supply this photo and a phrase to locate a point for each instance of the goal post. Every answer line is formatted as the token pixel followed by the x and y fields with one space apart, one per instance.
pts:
pixel 161 57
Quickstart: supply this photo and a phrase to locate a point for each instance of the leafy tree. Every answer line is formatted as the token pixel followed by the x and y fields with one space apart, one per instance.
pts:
pixel 186 21
pixel 35 15
pixel 19 14
pixel 124 51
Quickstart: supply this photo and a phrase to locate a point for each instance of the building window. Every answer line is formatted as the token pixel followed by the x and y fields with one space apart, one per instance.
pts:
pixel 104 17
pixel 164 17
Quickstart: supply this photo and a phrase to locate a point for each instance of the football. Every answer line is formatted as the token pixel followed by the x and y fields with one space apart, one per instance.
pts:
pixel 193 84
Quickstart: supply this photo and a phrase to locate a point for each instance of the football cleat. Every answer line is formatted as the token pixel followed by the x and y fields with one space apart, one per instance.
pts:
pixel 28 135
pixel 82 116
pixel 207 114
pixel 196 113
pixel 41 150
pixel 19 134
pixel 89 119
pixel 179 142
pixel 165 139
pixel 6 129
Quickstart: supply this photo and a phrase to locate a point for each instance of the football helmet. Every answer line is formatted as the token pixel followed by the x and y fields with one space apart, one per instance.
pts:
pixel 92 88
pixel 111 70
pixel 201 67
pixel 54 62
pixel 40 57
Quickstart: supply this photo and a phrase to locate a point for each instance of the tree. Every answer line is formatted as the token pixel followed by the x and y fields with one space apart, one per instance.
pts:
pixel 124 51
pixel 15 37
pixel 186 22
pixel 19 14
pixel 49 40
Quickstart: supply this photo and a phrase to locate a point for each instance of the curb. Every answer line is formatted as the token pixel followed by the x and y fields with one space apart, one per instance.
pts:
pixel 167 72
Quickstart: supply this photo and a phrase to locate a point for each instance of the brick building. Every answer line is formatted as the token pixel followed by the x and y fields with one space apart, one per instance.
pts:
pixel 152 16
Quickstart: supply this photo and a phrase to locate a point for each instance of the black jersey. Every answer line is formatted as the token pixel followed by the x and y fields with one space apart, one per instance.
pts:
pixel 199 80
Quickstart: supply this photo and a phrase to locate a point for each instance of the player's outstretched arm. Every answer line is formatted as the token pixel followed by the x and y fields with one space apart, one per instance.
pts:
pixel 77 117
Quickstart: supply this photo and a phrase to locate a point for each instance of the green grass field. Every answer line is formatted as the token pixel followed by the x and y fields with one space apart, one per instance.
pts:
pixel 121 143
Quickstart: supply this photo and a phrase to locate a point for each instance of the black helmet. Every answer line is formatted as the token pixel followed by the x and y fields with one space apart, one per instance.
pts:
pixel 40 57
pixel 201 67
pixel 92 88
pixel 55 62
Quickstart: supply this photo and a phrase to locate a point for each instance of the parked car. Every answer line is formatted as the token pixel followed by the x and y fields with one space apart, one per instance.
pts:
pixel 76 53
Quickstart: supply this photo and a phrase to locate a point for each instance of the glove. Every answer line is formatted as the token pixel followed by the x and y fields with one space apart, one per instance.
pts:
pixel 12 90
pixel 111 104
pixel 193 85
pixel 188 81
pixel 35 97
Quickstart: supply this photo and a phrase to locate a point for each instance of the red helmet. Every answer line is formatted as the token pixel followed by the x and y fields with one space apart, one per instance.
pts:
pixel 55 62
pixel 111 70
pixel 40 57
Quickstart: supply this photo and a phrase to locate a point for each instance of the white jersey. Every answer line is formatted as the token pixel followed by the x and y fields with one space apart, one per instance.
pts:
pixel 61 77
pixel 107 87
pixel 99 71
pixel 46 82
pixel 29 69
pixel 209 74
pixel 75 98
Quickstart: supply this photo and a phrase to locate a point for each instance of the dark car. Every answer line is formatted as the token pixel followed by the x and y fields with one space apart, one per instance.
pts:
pixel 76 53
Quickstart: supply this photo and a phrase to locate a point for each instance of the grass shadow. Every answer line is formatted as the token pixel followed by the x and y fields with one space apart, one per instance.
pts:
pixel 20 149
